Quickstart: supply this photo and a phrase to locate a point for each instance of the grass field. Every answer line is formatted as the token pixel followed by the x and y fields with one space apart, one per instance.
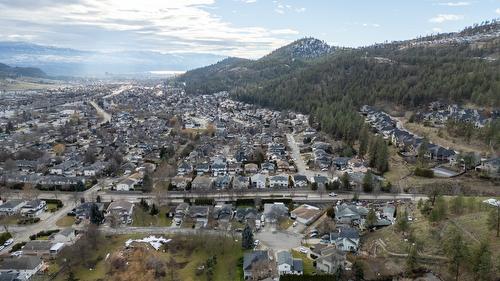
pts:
pixel 182 256
pixel 66 221
pixel 308 263
pixel 9 220
pixel 143 218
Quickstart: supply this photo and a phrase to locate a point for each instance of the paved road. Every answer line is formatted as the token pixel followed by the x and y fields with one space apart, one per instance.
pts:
pixel 105 116
pixel 299 161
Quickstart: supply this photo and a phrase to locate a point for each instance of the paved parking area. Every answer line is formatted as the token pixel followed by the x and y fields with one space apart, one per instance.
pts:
pixel 279 240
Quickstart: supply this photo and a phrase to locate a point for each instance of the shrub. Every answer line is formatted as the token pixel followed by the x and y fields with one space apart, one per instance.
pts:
pixel 422 172
pixel 4 237
pixel 17 247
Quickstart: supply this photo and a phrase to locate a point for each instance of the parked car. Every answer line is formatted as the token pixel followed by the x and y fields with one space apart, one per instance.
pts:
pixel 303 250
pixel 8 242
pixel 16 253
pixel 294 224
pixel 332 194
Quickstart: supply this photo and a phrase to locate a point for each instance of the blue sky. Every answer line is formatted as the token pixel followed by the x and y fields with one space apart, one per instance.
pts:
pixel 245 28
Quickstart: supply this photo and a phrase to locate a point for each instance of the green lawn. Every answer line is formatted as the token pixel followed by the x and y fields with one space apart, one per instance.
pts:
pixel 143 218
pixel 66 221
pixel 9 220
pixel 308 263
pixel 285 224
pixel 51 207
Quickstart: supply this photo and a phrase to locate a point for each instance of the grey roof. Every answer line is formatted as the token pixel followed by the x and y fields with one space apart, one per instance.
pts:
pixel 284 257
pixel 20 263
pixel 11 204
pixel 298 265
pixel 252 257
pixel 38 245
pixel 9 276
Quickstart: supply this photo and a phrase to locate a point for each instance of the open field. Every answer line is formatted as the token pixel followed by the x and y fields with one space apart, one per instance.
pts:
pixel 184 257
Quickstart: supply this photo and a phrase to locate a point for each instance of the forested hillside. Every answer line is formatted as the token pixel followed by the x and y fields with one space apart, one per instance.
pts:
pixel 14 72
pixel 333 86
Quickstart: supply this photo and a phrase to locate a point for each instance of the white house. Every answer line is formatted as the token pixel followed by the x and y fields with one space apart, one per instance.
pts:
pixel 289 265
pixel 122 210
pixel 66 236
pixel 126 184
pixel 34 208
pixel 258 181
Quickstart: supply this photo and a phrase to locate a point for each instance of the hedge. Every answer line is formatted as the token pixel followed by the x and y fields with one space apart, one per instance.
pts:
pixel 43 233
pixel 58 202
pixel 17 247
pixel 4 237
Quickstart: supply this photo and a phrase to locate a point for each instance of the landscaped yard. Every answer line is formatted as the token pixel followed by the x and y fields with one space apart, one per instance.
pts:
pixel 285 223
pixel 51 207
pixel 9 220
pixel 143 218
pixel 308 263
pixel 66 221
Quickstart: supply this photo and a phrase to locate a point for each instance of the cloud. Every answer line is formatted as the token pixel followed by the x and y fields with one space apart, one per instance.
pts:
pixel 281 8
pixel 370 25
pixel 249 1
pixel 437 29
pixel 166 26
pixel 454 4
pixel 446 17
pixel 497 11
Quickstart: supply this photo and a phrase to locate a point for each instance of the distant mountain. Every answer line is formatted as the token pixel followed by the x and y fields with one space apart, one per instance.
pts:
pixel 71 62
pixel 306 48
pixel 16 72
pixel 306 74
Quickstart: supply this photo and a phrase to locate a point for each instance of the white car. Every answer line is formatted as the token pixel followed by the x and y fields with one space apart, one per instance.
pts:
pixel 8 242
pixel 256 243
pixel 294 224
pixel 332 194
pixel 303 250
pixel 16 254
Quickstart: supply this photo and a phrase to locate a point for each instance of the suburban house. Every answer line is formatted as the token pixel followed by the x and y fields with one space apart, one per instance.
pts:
pixel 184 168
pixel 349 213
pixel 258 181
pixel 251 168
pixel 490 166
pixel 83 210
pixel 223 212
pixel 42 248
pixel 346 239
pixel 245 214
pixel 200 215
pixel 306 214
pixel 254 259
pixel 12 207
pixel 180 182
pixel 330 259
pixel 300 181
pixel 289 265
pixel 201 183
pixel 66 236
pixel 33 208
pixel 24 266
pixel 279 181
pixel 180 211
pixel 241 182
pixel 274 211
pixel 127 184
pixel 121 210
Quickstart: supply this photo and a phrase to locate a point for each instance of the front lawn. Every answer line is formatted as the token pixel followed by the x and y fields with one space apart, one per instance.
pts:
pixel 66 221
pixel 143 218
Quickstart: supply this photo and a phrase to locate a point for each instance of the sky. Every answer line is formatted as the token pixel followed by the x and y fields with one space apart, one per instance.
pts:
pixel 243 28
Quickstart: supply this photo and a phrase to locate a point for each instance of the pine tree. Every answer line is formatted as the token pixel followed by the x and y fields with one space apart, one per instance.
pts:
pixel 363 142
pixel 247 238
pixel 412 259
pixel 481 260
pixel 494 220
pixel 456 249
pixel 368 182
pixel 96 216
pixel 371 218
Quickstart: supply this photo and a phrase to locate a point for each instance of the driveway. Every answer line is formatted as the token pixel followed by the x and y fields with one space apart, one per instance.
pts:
pixel 279 240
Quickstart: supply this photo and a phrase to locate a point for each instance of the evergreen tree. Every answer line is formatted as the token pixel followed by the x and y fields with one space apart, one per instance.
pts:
pixel 412 259
pixel 247 238
pixel 96 216
pixel 147 183
pixel 494 220
pixel 345 181
pixel 357 269
pixel 154 210
pixel 456 249
pixel 363 141
pixel 481 260
pixel 371 218
pixel 368 182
